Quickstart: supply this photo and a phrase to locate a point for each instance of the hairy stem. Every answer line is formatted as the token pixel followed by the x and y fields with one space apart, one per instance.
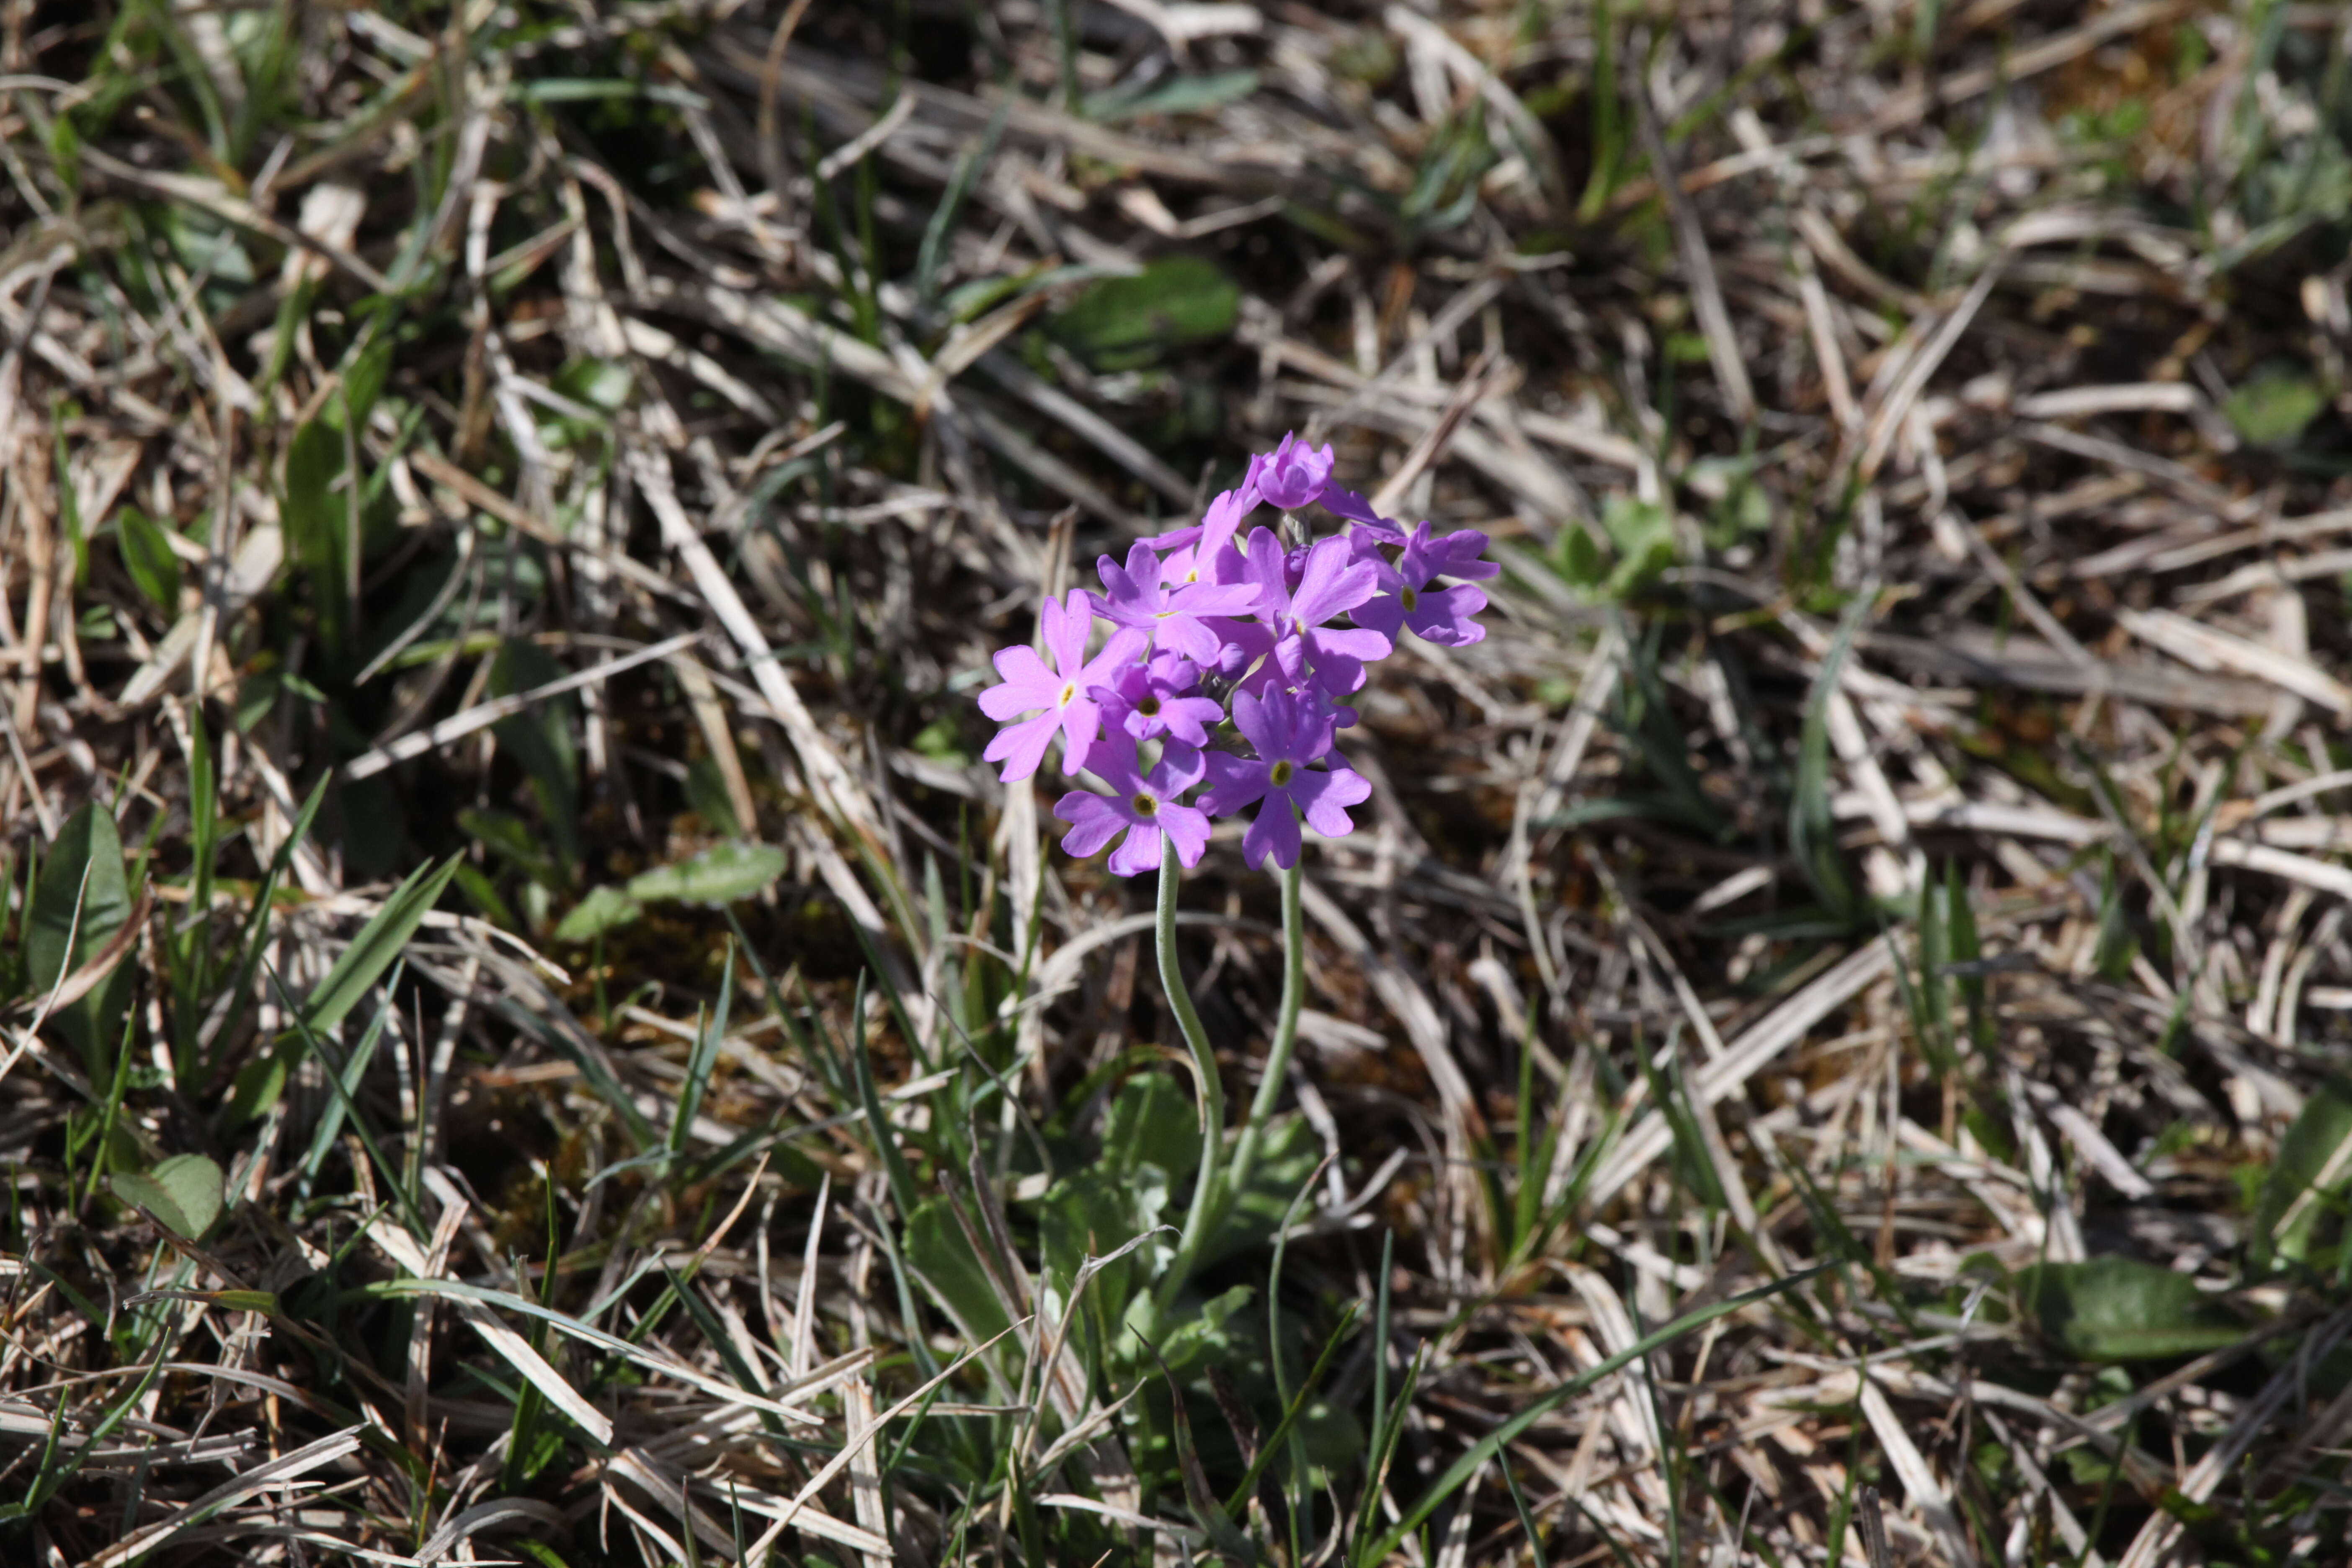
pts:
pixel 1286 1033
pixel 1207 1192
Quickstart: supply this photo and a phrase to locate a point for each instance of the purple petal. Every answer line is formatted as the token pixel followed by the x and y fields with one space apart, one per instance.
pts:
pixel 1021 747
pixel 1355 508
pixel 1384 611
pixel 1359 642
pixel 1234 782
pixel 1065 632
pixel 1175 538
pixel 1188 717
pixel 1138 853
pixel 1325 797
pixel 1187 635
pixel 1179 769
pixel 1274 832
pixel 1094 822
pixel 1080 720
pixel 1189 829
pixel 1458 554
pixel 1443 615
pixel 1331 583
pixel 1143 570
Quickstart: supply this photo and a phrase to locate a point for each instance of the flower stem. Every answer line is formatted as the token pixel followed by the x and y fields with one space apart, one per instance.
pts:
pixel 1205 1188
pixel 1286 1033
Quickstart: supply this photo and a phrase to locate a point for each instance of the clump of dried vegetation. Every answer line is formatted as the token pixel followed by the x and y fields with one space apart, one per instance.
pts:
pixel 534 1038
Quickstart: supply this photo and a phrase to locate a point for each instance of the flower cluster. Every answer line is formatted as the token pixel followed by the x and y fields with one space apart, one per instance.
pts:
pixel 1208 625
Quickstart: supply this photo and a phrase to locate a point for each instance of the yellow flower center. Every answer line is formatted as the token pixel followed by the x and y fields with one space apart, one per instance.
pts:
pixel 1148 708
pixel 1144 804
pixel 1281 774
pixel 1069 690
pixel 1411 598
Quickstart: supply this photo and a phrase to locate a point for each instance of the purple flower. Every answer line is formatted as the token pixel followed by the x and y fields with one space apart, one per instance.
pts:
pixel 1293 475
pixel 1143 805
pixel 1288 737
pixel 1064 699
pixel 1331 584
pixel 1171 615
pixel 1230 507
pixel 1438 615
pixel 1206 553
pixel 1162 696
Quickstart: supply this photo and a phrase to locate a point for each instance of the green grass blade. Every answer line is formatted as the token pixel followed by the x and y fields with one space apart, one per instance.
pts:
pixel 1459 1473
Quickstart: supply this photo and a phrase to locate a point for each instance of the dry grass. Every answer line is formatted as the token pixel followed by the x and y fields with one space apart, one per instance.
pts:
pixel 1840 997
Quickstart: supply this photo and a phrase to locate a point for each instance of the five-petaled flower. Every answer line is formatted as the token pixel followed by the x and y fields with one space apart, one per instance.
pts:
pixel 1066 699
pixel 1408 597
pixel 1289 737
pixel 1159 698
pixel 1297 621
pixel 1171 615
pixel 1142 804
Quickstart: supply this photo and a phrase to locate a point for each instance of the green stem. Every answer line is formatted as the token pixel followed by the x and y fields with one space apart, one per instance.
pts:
pixel 1286 1033
pixel 1206 1187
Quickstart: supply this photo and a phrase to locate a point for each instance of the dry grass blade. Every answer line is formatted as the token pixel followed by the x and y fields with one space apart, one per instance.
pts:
pixel 599 457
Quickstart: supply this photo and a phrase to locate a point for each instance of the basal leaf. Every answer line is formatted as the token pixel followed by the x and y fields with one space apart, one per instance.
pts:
pixel 2316 1152
pixel 82 899
pixel 184 1192
pixel 603 909
pixel 2120 1309
pixel 147 557
pixel 722 874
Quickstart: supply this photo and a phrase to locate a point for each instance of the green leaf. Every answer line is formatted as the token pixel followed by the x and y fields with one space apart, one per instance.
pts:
pixel 1286 1156
pixel 1208 1333
pixel 82 899
pixel 317 516
pixel 363 379
pixel 515 842
pixel 604 908
pixel 703 1060
pixel 1153 1122
pixel 2120 1309
pixel 379 942
pixel 1643 533
pixel 541 740
pixel 147 557
pixel 722 874
pixel 1092 1213
pixel 2315 1153
pixel 1123 323
pixel 2274 405
pixel 1173 95
pixel 940 1254
pixel 1580 559
pixel 1812 830
pixel 706 792
pixel 184 1193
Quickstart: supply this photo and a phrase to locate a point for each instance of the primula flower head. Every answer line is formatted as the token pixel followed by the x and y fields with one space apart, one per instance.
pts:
pixel 1289 736
pixel 1064 700
pixel 1287 634
pixel 1142 804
